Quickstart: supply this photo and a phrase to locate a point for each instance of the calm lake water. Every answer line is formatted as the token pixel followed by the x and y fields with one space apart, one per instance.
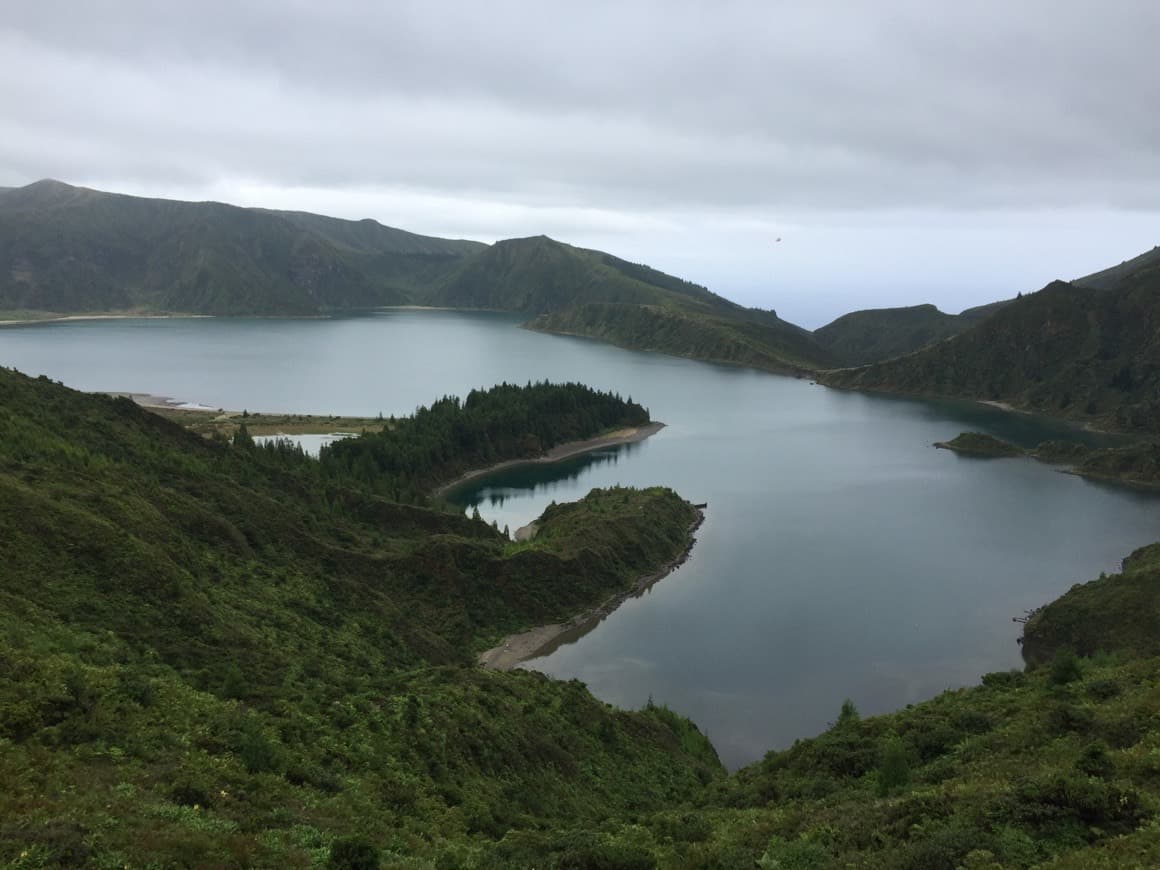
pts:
pixel 842 556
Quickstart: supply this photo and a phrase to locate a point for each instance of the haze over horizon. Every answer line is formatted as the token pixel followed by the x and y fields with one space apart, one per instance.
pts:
pixel 901 154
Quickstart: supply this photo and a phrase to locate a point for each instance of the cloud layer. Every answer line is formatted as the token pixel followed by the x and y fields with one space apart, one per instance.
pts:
pixel 656 122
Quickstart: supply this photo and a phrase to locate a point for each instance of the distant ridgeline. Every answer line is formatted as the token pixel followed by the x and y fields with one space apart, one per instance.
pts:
pixel 1088 350
pixel 220 655
pixel 72 250
pixel 1083 349
pixel 413 455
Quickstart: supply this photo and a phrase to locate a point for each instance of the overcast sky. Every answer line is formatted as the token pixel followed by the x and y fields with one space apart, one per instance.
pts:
pixel 903 150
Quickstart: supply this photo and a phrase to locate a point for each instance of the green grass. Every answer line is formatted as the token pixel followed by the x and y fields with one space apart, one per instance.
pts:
pixel 216 656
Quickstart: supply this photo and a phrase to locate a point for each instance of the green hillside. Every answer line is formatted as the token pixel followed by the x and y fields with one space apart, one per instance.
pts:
pixel 1120 612
pixel 749 338
pixel 870 336
pixel 539 274
pixel 1107 279
pixel 1066 350
pixel 70 249
pixel 222 655
pixel 862 337
pixel 211 656
pixel 590 293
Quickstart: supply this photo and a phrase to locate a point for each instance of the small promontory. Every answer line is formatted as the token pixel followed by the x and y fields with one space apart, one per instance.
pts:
pixel 980 444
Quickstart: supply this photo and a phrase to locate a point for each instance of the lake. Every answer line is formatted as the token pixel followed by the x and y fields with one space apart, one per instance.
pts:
pixel 841 557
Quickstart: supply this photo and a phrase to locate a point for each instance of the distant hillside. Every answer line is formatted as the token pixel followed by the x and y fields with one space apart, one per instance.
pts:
pixel 1109 278
pixel 1066 350
pixel 539 274
pixel 880 333
pixel 584 292
pixel 877 334
pixel 757 339
pixel 67 250
pixel 71 249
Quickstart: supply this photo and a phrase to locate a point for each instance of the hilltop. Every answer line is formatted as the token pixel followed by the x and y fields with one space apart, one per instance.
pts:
pixel 68 249
pixel 1069 350
pixel 875 334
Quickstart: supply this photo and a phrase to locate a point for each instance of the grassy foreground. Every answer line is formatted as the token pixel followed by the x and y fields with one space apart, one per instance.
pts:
pixel 222 655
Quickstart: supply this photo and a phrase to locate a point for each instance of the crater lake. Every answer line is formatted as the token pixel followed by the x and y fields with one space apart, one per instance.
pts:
pixel 841 557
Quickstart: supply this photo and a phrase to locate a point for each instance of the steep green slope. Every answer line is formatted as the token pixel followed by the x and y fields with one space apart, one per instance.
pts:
pixel 539 274
pixel 862 337
pixel 1066 350
pixel 1120 612
pixel 583 292
pixel 1107 279
pixel 215 655
pixel 870 336
pixel 70 249
pixel 67 249
pixel 210 655
pixel 757 339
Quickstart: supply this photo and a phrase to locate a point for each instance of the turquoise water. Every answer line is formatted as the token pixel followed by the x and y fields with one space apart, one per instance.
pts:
pixel 842 556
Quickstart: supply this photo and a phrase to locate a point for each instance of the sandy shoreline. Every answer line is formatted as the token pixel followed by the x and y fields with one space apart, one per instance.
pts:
pixel 64 317
pixel 517 648
pixel 559 452
pixel 1002 406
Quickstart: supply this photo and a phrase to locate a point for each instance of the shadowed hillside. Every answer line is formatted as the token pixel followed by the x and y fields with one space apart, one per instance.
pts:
pixel 71 249
pixel 590 293
pixel 1067 350
pixel 218 655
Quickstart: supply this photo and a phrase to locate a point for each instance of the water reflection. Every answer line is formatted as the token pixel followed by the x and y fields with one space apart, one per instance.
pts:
pixel 532 479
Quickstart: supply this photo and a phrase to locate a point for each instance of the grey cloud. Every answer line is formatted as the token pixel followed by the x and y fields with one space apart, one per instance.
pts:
pixel 653 128
pixel 835 104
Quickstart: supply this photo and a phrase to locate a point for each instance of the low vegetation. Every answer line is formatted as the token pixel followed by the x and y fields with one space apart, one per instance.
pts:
pixel 758 339
pixel 225 424
pixel 1069 350
pixel 209 655
pixel 1136 464
pixel 980 444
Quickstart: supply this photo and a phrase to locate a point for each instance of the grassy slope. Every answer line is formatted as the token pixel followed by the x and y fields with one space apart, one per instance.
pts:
pixel 66 249
pixel 539 274
pixel 1120 612
pixel 209 655
pixel 1066 351
pixel 70 249
pixel 862 337
pixel 761 341
pixel 583 292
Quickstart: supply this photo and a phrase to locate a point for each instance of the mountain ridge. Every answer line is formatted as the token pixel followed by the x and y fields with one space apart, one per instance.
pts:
pixel 1066 350
pixel 74 250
